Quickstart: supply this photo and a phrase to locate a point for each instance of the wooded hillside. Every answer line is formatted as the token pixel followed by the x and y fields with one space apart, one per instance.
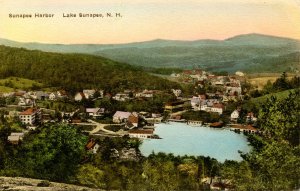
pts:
pixel 75 71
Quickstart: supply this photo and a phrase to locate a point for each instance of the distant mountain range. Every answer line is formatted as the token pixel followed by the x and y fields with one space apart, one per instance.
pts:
pixel 241 52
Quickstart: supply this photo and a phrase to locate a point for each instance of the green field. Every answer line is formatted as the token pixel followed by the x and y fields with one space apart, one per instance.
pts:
pixel 57 105
pixel 278 95
pixel 13 83
pixel 5 89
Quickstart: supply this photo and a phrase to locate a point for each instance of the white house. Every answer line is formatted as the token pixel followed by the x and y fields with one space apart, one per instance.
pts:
pixel 53 96
pixel 95 112
pixel 176 92
pixel 234 115
pixel 79 96
pixel 25 102
pixel 196 103
pixel 121 97
pixel 30 116
pixel 14 138
pixel 89 93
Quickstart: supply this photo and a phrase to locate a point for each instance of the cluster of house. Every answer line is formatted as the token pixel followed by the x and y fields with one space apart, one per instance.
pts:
pixel 88 94
pixel 124 154
pixel 130 94
pixel 191 76
pixel 201 103
pixel 30 116
pixel 131 121
pixel 224 89
pixel 28 98
pixel 250 118
pixel 197 103
pixel 134 117
pixel 235 115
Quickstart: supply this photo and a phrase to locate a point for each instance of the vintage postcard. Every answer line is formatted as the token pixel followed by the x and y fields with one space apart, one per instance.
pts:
pixel 152 95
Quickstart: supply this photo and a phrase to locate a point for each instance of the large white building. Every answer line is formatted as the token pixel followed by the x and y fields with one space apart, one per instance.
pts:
pixel 141 133
pixel 30 116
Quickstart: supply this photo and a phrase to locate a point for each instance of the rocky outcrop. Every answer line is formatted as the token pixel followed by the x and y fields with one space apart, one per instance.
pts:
pixel 130 154
pixel 28 184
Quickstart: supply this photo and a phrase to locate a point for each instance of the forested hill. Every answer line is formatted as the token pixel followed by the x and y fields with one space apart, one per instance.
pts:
pixel 249 52
pixel 75 71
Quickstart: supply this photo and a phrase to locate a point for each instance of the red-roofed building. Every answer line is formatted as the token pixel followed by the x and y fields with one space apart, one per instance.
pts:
pixel 92 146
pixel 30 116
pixel 244 128
pixel 133 119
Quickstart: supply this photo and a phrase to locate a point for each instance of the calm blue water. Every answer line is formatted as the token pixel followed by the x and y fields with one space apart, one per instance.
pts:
pixel 182 139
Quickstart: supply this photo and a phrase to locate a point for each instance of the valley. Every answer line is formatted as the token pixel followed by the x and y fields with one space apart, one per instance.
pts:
pixel 89 120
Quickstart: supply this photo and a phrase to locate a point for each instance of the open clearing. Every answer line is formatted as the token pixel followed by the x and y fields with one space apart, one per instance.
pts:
pixel 260 80
pixel 12 83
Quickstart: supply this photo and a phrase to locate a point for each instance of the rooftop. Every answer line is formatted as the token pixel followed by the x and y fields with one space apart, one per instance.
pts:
pixel 141 131
pixel 29 111
pixel 122 114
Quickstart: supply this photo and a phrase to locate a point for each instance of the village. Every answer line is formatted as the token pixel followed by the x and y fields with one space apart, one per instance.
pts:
pixel 212 95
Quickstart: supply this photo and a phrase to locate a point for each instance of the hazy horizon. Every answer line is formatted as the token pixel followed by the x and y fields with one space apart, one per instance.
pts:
pixel 183 40
pixel 141 21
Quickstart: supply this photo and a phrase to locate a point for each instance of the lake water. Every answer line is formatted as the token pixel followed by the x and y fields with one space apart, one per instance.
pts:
pixel 182 139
